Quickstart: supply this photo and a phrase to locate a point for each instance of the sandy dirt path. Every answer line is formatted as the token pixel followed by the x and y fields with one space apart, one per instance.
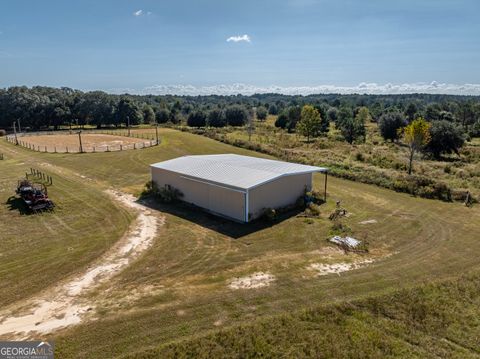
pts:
pixel 62 305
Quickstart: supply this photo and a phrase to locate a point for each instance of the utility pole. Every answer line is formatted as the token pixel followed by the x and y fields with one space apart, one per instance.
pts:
pixel 156 131
pixel 19 127
pixel 15 132
pixel 80 140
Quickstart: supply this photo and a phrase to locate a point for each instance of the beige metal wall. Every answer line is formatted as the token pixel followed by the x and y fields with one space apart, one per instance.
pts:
pixel 223 201
pixel 279 193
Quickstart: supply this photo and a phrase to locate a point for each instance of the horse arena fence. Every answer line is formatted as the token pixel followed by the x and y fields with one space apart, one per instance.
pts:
pixel 134 141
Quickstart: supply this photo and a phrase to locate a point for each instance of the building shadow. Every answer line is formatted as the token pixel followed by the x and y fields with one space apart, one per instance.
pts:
pixel 214 222
pixel 17 204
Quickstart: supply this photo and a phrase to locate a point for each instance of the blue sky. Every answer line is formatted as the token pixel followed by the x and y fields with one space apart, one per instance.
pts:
pixel 110 45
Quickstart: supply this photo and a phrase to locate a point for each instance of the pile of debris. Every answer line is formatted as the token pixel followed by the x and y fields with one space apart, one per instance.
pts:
pixel 349 244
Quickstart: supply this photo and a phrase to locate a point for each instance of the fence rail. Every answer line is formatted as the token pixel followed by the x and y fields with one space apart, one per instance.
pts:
pixel 21 139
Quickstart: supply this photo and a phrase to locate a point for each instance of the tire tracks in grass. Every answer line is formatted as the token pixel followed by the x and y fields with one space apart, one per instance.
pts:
pixel 64 304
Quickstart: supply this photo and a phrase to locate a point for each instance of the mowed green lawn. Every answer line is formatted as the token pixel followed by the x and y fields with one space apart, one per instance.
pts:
pixel 179 289
pixel 37 250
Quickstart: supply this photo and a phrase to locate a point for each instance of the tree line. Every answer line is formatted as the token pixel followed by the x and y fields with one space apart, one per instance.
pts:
pixel 452 118
pixel 45 107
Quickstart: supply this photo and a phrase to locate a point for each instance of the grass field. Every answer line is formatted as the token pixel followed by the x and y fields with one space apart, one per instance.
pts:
pixel 179 288
pixel 374 161
pixel 39 250
pixel 435 321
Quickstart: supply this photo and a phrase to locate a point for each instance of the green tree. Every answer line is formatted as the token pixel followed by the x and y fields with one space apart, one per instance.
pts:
pixel 216 118
pixel 390 123
pixel 363 115
pixel 446 116
pixel 282 120
pixel 445 138
pixel 236 115
pixel 128 112
pixel 288 118
pixel 416 136
pixel 432 112
pixel 466 114
pixel 261 113
pixel 175 115
pixel 148 114
pixel 162 115
pixel 324 121
pixel 197 119
pixel 273 109
pixel 332 114
pixel 352 128
pixel 310 124
pixel 411 111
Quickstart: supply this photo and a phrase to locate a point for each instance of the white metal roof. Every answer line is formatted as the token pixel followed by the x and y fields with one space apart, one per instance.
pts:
pixel 242 172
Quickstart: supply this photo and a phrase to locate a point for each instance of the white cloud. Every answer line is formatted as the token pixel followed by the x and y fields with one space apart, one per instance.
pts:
pixel 142 13
pixel 239 38
pixel 362 88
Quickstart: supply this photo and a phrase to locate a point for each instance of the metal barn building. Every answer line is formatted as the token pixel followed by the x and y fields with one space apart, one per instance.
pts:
pixel 234 186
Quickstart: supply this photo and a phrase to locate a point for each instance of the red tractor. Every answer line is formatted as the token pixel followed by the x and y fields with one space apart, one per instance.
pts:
pixel 34 195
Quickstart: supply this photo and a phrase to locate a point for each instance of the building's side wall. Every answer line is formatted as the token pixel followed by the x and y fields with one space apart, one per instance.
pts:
pixel 223 201
pixel 279 193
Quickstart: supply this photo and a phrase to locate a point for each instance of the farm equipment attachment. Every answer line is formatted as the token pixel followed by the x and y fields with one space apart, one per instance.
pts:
pixel 34 195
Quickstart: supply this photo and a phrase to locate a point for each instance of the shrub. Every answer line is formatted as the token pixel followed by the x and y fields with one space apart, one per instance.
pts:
pixel 165 194
pixel 475 130
pixel 461 173
pixel 315 197
pixel 288 118
pixel 339 229
pixel 321 144
pixel 445 138
pixel 269 214
pixel 281 120
pixel 459 195
pixel 312 210
pixel 359 157
pixel 261 113
pixel 2 133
